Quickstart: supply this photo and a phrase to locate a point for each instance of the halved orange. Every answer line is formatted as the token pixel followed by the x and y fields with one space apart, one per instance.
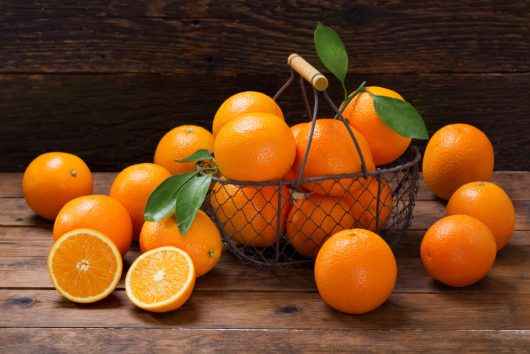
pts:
pixel 84 265
pixel 160 280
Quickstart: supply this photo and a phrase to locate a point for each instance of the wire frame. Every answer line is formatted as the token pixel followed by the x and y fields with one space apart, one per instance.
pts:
pixel 285 222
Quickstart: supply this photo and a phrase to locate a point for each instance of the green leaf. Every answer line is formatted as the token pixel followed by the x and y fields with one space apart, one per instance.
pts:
pixel 331 52
pixel 162 201
pixel 189 200
pixel 401 117
pixel 199 155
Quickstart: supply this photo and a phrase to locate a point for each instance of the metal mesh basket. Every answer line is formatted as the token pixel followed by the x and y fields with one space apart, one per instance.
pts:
pixel 280 223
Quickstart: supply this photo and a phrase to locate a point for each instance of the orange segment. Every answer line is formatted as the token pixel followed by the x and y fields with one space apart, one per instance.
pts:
pixel 84 265
pixel 160 280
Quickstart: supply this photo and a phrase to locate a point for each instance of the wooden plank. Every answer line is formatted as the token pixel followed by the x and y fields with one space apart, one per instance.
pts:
pixel 46 308
pixel 23 253
pixel 426 212
pixel 123 340
pixel 515 183
pixel 112 121
pixel 250 36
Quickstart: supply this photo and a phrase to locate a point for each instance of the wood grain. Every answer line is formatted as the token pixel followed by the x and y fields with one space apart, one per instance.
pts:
pixel 112 121
pixel 257 36
pixel 123 340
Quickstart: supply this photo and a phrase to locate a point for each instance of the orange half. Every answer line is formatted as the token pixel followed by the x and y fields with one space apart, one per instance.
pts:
pixel 160 280
pixel 84 265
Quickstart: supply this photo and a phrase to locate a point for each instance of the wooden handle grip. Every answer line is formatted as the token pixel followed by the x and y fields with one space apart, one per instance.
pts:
pixel 308 72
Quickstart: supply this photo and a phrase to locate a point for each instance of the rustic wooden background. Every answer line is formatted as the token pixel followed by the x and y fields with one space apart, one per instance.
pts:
pixel 106 79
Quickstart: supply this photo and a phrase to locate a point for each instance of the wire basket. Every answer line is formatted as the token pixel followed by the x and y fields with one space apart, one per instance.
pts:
pixel 279 223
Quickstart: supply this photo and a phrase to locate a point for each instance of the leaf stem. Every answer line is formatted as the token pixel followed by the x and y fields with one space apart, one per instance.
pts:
pixel 352 96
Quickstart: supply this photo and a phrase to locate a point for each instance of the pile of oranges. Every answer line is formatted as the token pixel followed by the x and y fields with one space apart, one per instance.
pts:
pixel 331 221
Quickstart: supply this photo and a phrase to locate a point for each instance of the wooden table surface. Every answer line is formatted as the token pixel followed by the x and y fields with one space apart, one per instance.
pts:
pixel 240 308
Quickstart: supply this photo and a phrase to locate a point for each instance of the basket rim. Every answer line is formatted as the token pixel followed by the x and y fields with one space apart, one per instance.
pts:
pixel 378 172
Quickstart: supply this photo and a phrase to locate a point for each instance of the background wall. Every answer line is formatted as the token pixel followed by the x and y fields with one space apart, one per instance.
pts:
pixel 106 79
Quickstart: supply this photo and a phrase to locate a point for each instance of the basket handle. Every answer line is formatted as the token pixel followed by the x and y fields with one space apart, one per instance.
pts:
pixel 308 72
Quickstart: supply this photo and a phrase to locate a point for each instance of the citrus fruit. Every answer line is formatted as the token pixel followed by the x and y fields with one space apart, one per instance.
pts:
pixel 84 265
pixel 160 280
pixel 255 147
pixel 313 219
pixel 385 143
pixel 455 155
pixel 290 175
pixel 202 241
pixel 132 188
pixel 180 143
pixel 332 152
pixel 249 214
pixel 355 271
pixel 98 212
pixel 244 102
pixel 53 179
pixel 490 204
pixel 458 250
pixel 368 211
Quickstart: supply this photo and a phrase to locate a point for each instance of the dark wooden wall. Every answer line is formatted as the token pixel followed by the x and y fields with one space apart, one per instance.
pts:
pixel 106 79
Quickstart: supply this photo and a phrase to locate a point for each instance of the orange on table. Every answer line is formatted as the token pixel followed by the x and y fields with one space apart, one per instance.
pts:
pixel 202 241
pixel 248 214
pixel 160 280
pixel 244 102
pixel 385 143
pixel 458 250
pixel 313 219
pixel 53 179
pixel 332 152
pixel 355 271
pixel 255 147
pixel 84 266
pixel 365 204
pixel 490 204
pixel 132 188
pixel 179 143
pixel 98 212
pixel 455 155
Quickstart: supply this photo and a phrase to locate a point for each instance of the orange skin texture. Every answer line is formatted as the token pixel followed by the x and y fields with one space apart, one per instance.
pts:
pixel 313 219
pixel 241 103
pixel 458 250
pixel 255 147
pixel 133 186
pixel 179 143
pixel 386 144
pixel 365 204
pixel 332 152
pixel 97 212
pixel 455 155
pixel 53 179
pixel 202 241
pixel 290 175
pixel 248 213
pixel 355 271
pixel 488 203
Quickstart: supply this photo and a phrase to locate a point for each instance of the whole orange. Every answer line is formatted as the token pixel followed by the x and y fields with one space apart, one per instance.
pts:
pixel 332 152
pixel 244 102
pixel 366 204
pixel 458 250
pixel 53 179
pixel 97 212
pixel 255 147
pixel 180 143
pixel 490 204
pixel 202 241
pixel 249 214
pixel 455 155
pixel 133 186
pixel 385 143
pixel 355 271
pixel 313 219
